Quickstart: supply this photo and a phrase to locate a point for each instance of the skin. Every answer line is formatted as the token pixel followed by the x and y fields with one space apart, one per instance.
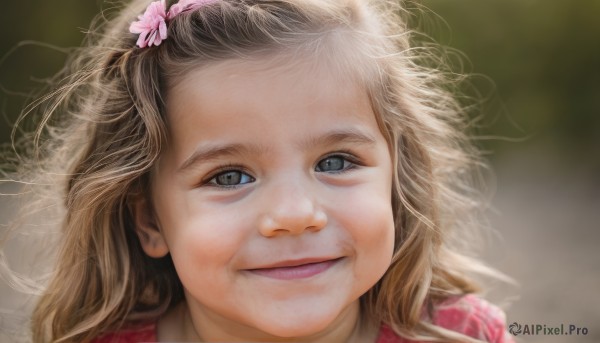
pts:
pixel 297 168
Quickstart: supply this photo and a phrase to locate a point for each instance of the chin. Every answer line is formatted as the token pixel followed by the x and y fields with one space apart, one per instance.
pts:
pixel 297 326
pixel 297 330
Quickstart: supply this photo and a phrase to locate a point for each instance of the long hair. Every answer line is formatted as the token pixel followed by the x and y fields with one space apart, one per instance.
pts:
pixel 104 127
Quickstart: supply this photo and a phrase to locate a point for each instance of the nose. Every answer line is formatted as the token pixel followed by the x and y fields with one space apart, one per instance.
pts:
pixel 291 208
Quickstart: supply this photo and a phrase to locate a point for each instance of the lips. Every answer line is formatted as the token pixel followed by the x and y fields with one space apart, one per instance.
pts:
pixel 295 269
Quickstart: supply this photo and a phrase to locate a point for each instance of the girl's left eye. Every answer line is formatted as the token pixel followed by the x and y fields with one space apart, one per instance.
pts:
pixel 335 163
pixel 230 178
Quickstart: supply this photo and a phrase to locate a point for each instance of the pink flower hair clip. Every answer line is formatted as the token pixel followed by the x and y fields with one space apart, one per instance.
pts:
pixel 152 25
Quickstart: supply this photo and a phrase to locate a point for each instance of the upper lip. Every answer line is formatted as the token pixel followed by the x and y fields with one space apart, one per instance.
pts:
pixel 296 262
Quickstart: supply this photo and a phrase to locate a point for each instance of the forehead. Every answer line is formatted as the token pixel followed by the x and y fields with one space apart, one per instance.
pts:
pixel 245 100
pixel 237 74
pixel 248 81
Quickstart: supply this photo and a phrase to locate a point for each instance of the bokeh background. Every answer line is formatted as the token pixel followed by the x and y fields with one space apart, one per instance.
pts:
pixel 537 65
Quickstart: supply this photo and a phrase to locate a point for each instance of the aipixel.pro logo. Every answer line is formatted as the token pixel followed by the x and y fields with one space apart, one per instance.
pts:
pixel 546 330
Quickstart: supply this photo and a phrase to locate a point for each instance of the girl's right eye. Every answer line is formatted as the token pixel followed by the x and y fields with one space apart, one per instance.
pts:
pixel 230 178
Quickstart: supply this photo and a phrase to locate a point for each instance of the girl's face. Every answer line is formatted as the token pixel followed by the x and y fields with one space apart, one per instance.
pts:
pixel 273 198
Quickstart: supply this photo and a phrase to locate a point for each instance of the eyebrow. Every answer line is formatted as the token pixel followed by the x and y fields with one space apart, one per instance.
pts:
pixel 215 152
pixel 210 153
pixel 349 136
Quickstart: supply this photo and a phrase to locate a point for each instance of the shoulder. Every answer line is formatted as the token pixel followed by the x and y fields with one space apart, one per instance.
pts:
pixel 132 334
pixel 474 317
pixel 466 314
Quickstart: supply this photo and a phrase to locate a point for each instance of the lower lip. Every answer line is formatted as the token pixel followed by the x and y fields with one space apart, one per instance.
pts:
pixel 298 272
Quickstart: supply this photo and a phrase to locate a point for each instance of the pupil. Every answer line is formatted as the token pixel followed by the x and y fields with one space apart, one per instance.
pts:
pixel 229 178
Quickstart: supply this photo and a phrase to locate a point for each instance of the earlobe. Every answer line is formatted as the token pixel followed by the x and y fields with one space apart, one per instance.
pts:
pixel 147 229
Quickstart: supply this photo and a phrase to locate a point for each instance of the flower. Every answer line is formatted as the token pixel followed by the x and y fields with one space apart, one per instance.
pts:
pixel 186 5
pixel 151 25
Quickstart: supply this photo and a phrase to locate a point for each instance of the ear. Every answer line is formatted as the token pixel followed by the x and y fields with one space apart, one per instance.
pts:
pixel 147 229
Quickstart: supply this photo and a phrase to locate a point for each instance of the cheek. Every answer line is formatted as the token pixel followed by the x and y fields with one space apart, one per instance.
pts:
pixel 202 241
pixel 373 228
pixel 368 218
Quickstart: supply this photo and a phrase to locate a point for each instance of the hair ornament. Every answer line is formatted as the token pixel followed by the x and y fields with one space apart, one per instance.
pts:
pixel 152 25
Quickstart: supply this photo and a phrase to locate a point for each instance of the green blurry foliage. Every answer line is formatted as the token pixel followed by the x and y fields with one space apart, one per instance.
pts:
pixel 536 62
pixel 544 60
pixel 36 36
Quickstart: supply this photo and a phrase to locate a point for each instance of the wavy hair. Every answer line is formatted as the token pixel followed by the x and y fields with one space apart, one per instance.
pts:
pixel 104 127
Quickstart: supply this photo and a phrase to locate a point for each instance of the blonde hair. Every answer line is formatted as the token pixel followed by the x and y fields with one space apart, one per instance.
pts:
pixel 105 127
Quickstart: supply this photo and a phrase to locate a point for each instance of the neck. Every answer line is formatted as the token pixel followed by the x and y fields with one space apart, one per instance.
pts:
pixel 195 324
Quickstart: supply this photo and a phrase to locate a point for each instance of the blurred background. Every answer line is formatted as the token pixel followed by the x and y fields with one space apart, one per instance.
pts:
pixel 537 64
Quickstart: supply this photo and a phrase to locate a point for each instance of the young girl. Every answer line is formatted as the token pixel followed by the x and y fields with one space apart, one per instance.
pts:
pixel 260 171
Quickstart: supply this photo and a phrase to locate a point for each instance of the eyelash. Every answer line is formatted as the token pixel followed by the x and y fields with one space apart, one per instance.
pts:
pixel 222 170
pixel 345 155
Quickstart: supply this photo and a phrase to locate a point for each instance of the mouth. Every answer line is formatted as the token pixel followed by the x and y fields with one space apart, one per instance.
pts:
pixel 297 269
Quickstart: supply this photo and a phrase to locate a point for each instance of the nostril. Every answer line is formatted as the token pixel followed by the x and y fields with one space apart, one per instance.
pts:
pixel 313 228
pixel 271 225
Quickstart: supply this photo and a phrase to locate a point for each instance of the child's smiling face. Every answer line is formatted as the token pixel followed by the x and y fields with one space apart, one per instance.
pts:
pixel 272 166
